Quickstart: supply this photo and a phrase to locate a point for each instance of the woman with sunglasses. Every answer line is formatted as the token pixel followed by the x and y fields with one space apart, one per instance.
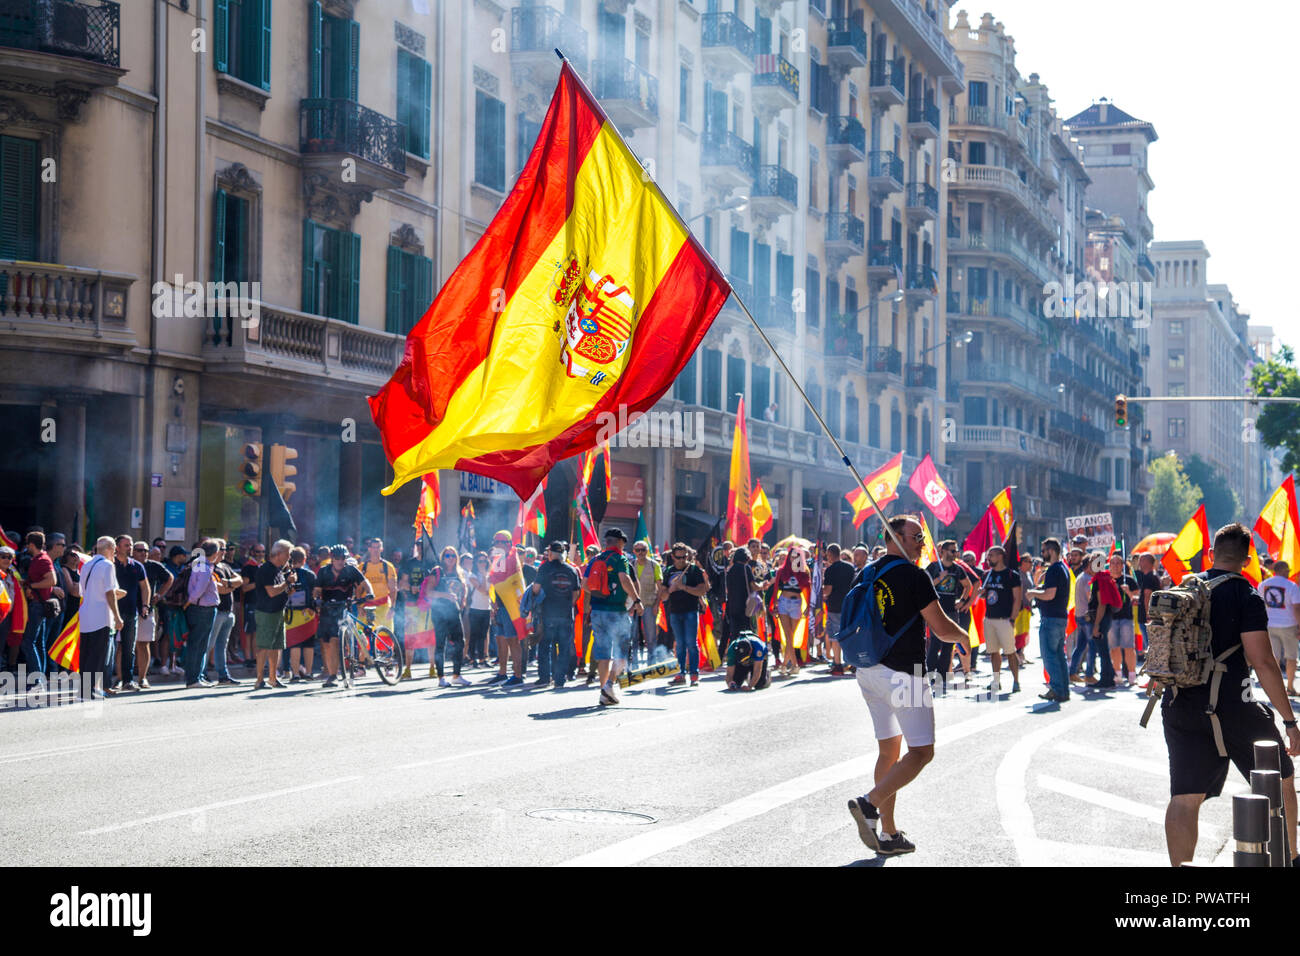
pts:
pixel 480 610
pixel 442 593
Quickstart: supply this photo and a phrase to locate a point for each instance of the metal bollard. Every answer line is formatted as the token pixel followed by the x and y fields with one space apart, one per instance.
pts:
pixel 1250 830
pixel 1268 783
pixel 1267 755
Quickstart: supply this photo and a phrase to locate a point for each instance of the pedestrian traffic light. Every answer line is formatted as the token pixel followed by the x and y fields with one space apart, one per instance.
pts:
pixel 250 472
pixel 282 470
pixel 1121 411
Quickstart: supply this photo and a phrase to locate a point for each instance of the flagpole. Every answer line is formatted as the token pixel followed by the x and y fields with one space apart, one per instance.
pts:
pixel 758 328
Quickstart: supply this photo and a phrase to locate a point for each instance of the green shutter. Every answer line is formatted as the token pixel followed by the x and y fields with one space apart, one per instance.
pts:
pixel 309 304
pixel 424 105
pixel 349 269
pixel 422 298
pixel 354 58
pixel 19 193
pixel 315 24
pixel 264 61
pixel 404 94
pixel 338 79
pixel 244 209
pixel 219 237
pixel 394 319
pixel 499 145
pixel 221 36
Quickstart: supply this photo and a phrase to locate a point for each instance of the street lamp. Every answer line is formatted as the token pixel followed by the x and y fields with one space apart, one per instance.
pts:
pixel 957 340
pixel 738 203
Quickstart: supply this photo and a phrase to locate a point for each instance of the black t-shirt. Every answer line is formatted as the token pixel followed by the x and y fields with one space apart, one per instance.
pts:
pixel 559 583
pixel 225 602
pixel 300 595
pixel 681 602
pixel 838 576
pixel 339 585
pixel 949 583
pixel 249 573
pixel 740 581
pixel 1147 581
pixel 902 591
pixel 413 569
pixel 158 575
pixel 267 576
pixel 1235 608
pixel 997 592
pixel 1057 577
pixel 129 576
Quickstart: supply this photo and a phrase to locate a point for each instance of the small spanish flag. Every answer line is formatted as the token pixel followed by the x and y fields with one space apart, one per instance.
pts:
pixel 761 511
pixel 299 626
pixel 709 657
pixel 883 483
pixel 586 294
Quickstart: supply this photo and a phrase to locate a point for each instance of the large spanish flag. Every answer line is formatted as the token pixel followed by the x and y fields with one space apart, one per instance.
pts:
pixel 740 507
pixel 586 293
pixel 1194 537
pixel 883 483
pixel 1279 525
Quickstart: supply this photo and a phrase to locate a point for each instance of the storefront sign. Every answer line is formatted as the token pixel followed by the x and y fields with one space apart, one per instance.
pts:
pixel 479 486
pixel 174 520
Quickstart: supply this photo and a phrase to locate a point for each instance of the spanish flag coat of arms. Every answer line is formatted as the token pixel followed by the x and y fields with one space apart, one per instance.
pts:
pixel 585 293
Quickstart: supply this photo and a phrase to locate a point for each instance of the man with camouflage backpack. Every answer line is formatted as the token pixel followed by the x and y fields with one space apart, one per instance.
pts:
pixel 1203 663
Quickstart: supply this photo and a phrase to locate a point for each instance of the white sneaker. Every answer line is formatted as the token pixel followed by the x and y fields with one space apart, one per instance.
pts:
pixel 459 681
pixel 443 682
pixel 996 686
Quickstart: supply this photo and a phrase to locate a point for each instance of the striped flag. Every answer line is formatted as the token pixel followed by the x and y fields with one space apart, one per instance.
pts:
pixel 532 514
pixel 507 583
pixel 709 657
pixel 883 483
pixel 299 625
pixel 66 650
pixel 740 507
pixel 586 294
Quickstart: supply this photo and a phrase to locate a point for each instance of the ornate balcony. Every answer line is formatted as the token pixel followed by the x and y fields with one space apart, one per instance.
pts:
pixel 535 34
pixel 844 234
pixel 884 172
pixel 922 282
pixel 1077 485
pixel 775 192
pixel 922 201
pixel 1011 377
pixel 922 119
pixel 775 84
pixel 1005 442
pixel 80 308
pixel 846 45
pixel 884 260
pixel 628 94
pixel 60 49
pixel 882 360
pixel 332 130
pixel 728 44
pixel 1066 423
pixel 888 83
pixel 918 375
pixel 842 338
pixel 846 141
pixel 726 161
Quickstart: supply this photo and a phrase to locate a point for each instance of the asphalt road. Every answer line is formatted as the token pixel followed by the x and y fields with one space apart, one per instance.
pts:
pixel 419 775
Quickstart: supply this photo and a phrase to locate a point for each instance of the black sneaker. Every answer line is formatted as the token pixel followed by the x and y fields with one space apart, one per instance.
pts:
pixel 896 845
pixel 867 818
pixel 497 679
pixel 229 681
pixel 607 699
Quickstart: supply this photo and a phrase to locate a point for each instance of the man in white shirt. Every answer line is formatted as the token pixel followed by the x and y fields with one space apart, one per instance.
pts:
pixel 1282 599
pixel 99 617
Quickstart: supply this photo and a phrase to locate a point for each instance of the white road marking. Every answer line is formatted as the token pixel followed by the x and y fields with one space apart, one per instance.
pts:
pixel 644 846
pixel 1108 801
pixel 1155 768
pixel 217 806
pixel 475 753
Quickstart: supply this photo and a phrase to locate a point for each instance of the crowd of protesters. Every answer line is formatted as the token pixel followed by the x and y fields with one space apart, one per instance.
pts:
pixel 203 614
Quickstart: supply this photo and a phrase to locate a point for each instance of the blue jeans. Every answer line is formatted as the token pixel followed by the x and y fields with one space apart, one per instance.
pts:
pixel 554 651
pixel 1100 646
pixel 1083 653
pixel 35 637
pixel 221 629
pixel 611 635
pixel 1051 647
pixel 685 629
pixel 200 621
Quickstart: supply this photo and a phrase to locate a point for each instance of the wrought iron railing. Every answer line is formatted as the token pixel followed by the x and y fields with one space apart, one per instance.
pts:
pixel 920 375
pixel 885 252
pixel 83 30
pixel 919 111
pixel 1077 484
pixel 924 196
pixel 846 131
pixel 1064 421
pixel 543 29
pixel 725 148
pixel 882 163
pixel 727 29
pixel 842 336
pixel 922 278
pixel 846 33
pixel 882 358
pixel 624 80
pixel 772 69
pixel 345 126
pixel 776 182
pixel 845 227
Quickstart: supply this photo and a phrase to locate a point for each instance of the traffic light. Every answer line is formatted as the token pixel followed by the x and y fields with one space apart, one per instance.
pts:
pixel 1121 411
pixel 282 470
pixel 250 472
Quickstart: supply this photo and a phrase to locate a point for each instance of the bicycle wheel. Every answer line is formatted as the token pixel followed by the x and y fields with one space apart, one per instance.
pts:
pixel 347 654
pixel 386 652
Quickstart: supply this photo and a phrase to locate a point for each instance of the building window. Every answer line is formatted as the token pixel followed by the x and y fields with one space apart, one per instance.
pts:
pixel 684 101
pixel 489 141
pixel 414 98
pixel 410 289
pixel 1120 149
pixel 335 55
pixel 895 427
pixel 1176 327
pixel 740 254
pixel 684 387
pixel 1119 474
pixel 833 410
pixel 735 382
pixel 241 40
pixel 331 272
pixel 230 254
pixel 813 290
pixel 1177 427
pixel 1105 472
pixel 524 140
pixel 712 378
pixel 761 390
pixel 810 420
pixel 852 427
pixel 1177 389
pixel 976 154
pixel 19 198
pixel 873 424
pixel 1177 358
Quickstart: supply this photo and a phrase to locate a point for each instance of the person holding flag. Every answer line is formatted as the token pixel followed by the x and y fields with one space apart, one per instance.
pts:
pixel 793 584
pixel 508 627
pixel 1053 597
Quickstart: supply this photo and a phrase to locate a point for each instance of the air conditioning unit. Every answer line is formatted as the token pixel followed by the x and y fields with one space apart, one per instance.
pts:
pixel 65 28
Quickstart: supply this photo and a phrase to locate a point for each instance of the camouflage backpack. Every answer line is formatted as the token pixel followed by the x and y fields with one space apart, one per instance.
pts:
pixel 1178 644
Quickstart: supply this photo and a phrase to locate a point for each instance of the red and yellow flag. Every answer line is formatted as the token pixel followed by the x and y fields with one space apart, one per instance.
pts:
pixel 740 507
pixel 507 583
pixel 883 483
pixel 1252 570
pixel 532 514
pixel 19 623
pixel 1279 525
pixel 929 554
pixel 577 625
pixel 1194 537
pixel 761 511
pixel 66 650
pixel 426 513
pixel 709 657
pixel 300 624
pixel 992 527
pixel 586 293
pixel 6 602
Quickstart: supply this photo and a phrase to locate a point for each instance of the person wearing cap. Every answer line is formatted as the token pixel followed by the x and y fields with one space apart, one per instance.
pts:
pixel 336 585
pixel 558 587
pixel 609 584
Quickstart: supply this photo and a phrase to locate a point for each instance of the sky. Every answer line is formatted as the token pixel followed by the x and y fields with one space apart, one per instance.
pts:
pixel 1212 78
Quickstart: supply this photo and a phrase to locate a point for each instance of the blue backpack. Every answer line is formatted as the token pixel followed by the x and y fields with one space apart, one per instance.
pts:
pixel 863 637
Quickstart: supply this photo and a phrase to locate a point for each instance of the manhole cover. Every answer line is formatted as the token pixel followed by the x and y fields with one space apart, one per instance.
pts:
pixel 579 815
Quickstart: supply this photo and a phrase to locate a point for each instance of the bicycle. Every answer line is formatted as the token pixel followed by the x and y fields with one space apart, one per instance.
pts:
pixel 381 645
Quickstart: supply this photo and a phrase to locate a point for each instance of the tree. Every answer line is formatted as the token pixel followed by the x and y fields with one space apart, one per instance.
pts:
pixel 1222 505
pixel 1278 426
pixel 1173 499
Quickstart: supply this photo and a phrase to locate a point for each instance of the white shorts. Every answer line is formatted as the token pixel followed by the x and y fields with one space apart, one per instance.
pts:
pixel 999 635
pixel 1284 641
pixel 900 704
